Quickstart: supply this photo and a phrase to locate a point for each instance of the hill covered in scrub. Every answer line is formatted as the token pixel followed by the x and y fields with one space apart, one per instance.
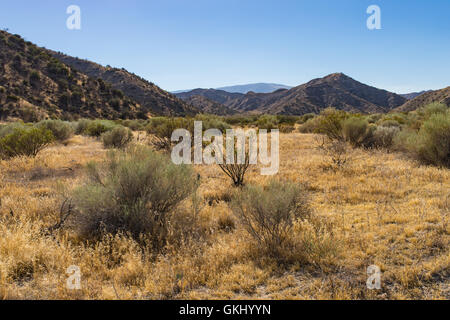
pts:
pixel 438 96
pixel 151 97
pixel 335 90
pixel 209 106
pixel 35 85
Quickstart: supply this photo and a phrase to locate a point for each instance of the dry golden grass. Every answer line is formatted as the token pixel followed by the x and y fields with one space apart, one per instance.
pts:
pixel 385 210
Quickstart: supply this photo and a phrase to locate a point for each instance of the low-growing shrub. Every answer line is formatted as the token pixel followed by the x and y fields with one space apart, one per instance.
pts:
pixel 383 137
pixel 132 192
pixel 434 108
pixel 358 132
pixel 390 124
pixel 162 128
pixel 268 214
pixel 267 122
pixel 286 128
pixel 27 141
pixel 62 131
pixel 119 137
pixel 434 140
pixel 81 126
pixel 97 127
pixel 330 122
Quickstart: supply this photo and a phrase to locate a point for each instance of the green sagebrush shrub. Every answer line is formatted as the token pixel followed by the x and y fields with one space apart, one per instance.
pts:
pixel 358 132
pixel 119 137
pixel 329 123
pixel 383 137
pixel 62 131
pixel 433 140
pixel 25 141
pixel 135 192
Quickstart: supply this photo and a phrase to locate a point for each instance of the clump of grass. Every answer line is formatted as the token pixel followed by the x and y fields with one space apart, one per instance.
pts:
pixel 268 214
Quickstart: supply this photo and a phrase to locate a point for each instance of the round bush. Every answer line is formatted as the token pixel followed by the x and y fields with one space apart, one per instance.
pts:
pixel 119 137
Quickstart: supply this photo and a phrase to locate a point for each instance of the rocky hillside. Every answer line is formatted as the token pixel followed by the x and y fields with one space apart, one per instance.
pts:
pixel 35 85
pixel 335 90
pixel 441 96
pixel 152 98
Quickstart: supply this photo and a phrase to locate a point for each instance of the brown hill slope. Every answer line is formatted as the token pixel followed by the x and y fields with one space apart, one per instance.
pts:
pixel 206 105
pixel 35 85
pixel 152 98
pixel 335 90
pixel 441 96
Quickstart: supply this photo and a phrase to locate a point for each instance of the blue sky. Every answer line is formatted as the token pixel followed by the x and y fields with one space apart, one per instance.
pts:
pixel 182 44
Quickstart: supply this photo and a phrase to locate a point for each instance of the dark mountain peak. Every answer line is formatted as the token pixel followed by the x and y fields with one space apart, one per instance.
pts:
pixel 335 90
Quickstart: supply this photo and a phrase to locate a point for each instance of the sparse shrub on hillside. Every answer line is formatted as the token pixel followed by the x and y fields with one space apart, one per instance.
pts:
pixel 62 131
pixel 27 141
pixel 133 192
pixel 358 132
pixel 268 214
pixel 119 137
pixel 35 77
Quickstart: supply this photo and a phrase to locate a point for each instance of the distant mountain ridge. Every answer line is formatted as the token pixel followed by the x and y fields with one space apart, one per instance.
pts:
pixel 440 96
pixel 335 90
pixel 245 88
pixel 255 87
pixel 413 95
